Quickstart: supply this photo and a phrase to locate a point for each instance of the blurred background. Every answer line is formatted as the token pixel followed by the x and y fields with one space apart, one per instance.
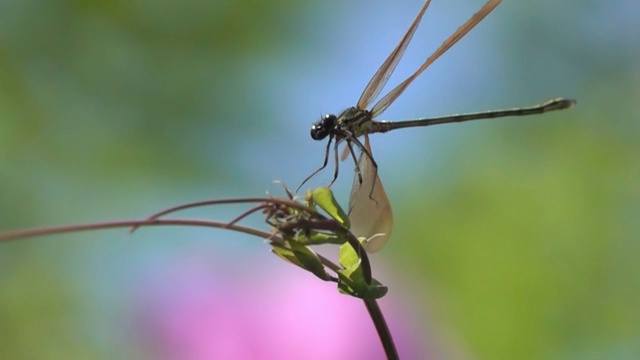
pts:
pixel 513 238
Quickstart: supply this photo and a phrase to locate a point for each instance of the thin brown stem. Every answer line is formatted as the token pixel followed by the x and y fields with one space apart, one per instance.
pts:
pixel 191 205
pixel 21 234
pixel 247 213
pixel 381 327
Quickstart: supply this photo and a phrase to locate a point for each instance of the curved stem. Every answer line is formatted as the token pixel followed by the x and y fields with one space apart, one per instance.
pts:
pixel 381 327
pixel 247 213
pixel 225 201
pixel 205 203
pixel 230 201
pixel 20 234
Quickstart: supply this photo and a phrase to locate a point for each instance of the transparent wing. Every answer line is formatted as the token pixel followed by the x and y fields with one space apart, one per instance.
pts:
pixel 381 76
pixel 388 99
pixel 370 212
pixel 345 153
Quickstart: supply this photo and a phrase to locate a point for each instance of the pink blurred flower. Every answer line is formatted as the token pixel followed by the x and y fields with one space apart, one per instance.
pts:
pixel 189 311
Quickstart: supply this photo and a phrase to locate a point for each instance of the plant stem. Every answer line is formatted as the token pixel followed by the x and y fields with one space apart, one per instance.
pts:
pixel 382 328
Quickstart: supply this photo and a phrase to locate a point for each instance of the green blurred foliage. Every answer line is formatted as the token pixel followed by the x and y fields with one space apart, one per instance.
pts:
pixel 531 250
pixel 99 101
pixel 40 314
pixel 534 251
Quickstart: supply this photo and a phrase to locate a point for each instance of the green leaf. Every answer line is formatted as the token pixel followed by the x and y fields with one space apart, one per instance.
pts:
pixel 309 259
pixel 324 198
pixel 348 257
pixel 351 279
pixel 286 254
pixel 303 257
pixel 351 284
pixel 318 238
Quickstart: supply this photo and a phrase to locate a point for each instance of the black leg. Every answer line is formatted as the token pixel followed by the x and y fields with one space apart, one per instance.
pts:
pixel 324 164
pixel 373 162
pixel 335 173
pixel 355 161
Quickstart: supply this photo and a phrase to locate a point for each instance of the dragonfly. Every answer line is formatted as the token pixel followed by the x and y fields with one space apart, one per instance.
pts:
pixel 369 208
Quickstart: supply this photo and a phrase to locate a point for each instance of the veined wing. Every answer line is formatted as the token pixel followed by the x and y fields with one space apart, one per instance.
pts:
pixel 388 99
pixel 370 211
pixel 381 76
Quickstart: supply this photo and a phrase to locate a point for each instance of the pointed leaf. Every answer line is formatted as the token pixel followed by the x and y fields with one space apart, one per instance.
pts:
pixel 351 279
pixel 303 257
pixel 286 254
pixel 309 260
pixel 319 238
pixel 324 198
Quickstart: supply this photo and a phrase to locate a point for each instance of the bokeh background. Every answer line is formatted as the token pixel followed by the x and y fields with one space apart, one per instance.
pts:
pixel 513 238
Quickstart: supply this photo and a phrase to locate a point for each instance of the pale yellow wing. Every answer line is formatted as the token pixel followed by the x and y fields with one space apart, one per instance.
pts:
pixel 370 211
pixel 388 99
pixel 381 76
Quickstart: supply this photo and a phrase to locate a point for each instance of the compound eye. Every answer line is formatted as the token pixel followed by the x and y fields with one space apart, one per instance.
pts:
pixel 322 128
pixel 329 119
pixel 318 131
